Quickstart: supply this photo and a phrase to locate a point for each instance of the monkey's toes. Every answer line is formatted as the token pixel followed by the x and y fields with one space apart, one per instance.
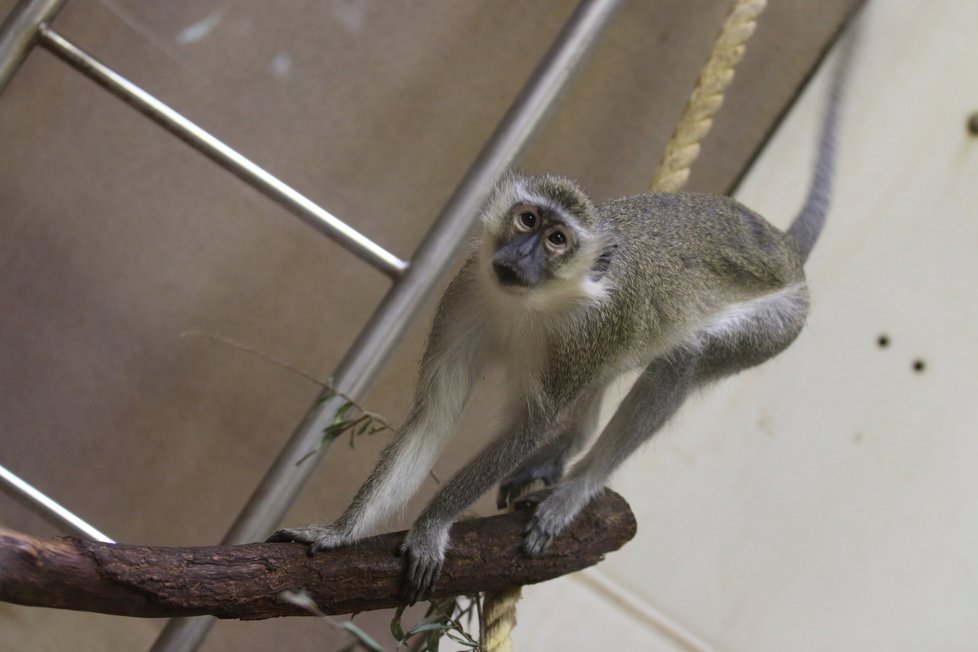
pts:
pixel 507 494
pixel 511 492
pixel 533 499
pixel 537 538
pixel 317 537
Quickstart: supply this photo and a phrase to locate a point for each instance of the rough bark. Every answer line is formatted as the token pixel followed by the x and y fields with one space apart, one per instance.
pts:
pixel 245 581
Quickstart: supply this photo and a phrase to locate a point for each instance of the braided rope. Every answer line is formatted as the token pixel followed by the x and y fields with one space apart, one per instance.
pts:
pixel 707 97
pixel 499 613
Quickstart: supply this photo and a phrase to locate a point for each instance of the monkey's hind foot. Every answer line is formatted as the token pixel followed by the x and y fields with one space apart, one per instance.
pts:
pixel 556 508
pixel 527 477
pixel 318 537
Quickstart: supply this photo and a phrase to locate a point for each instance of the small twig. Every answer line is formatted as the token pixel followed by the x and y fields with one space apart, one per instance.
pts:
pixel 365 414
pixel 267 357
pixel 331 391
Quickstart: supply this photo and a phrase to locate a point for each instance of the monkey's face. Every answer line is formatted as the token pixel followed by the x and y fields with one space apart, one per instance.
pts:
pixel 540 243
pixel 530 248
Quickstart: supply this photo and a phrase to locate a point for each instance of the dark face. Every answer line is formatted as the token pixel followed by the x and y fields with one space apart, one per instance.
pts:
pixel 534 243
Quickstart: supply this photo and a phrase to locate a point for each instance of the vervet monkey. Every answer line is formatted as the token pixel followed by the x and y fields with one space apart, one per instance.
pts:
pixel 567 295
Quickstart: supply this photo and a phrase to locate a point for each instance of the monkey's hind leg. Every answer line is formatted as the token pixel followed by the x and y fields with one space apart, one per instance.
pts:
pixel 655 397
pixel 548 463
pixel 741 336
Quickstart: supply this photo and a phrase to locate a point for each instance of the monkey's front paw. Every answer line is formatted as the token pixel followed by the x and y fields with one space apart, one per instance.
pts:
pixel 318 537
pixel 424 555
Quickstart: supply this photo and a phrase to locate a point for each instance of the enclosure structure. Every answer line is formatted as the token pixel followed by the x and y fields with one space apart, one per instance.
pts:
pixel 401 383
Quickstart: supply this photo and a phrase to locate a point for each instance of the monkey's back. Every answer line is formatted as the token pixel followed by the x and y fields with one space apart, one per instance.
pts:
pixel 687 255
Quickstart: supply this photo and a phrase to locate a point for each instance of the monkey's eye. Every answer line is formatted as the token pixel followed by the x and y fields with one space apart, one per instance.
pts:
pixel 557 239
pixel 528 219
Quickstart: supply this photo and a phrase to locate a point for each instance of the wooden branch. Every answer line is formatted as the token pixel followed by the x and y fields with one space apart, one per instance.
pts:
pixel 245 581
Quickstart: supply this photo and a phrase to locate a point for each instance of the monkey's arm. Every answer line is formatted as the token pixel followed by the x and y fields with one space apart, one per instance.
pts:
pixel 449 367
pixel 425 544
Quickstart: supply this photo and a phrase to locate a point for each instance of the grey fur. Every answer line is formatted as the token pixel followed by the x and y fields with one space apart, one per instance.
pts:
pixel 695 287
pixel 689 287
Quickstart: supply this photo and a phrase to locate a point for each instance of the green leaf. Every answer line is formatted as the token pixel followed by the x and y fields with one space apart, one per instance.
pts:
pixel 336 429
pixel 342 410
pixel 397 630
pixel 434 640
pixel 460 636
pixel 422 627
pixel 363 637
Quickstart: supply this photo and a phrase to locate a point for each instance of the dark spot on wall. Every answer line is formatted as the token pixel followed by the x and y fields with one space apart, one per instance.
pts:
pixel 919 366
pixel 883 341
pixel 973 124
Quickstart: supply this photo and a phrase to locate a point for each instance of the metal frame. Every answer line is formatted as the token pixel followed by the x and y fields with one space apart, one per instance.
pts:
pixel 29 25
pixel 48 507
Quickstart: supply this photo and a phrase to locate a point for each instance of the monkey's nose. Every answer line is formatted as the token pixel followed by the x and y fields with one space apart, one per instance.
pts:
pixel 507 275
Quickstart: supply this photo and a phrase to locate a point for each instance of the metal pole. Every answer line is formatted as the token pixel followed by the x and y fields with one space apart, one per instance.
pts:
pixel 285 479
pixel 228 158
pixel 47 507
pixel 20 31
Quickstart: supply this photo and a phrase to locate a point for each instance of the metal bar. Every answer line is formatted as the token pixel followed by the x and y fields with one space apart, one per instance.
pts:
pixel 228 158
pixel 47 507
pixel 285 479
pixel 20 31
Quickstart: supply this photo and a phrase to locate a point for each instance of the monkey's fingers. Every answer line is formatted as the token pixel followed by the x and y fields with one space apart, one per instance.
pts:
pixel 286 535
pixel 421 572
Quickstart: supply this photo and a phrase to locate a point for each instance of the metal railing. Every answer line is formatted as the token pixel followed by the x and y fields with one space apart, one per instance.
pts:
pixel 28 25
pixel 49 508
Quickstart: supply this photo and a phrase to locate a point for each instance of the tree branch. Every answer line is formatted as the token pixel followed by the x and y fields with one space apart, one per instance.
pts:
pixel 245 581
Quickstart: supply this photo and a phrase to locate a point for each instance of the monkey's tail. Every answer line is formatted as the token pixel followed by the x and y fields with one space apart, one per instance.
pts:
pixel 807 226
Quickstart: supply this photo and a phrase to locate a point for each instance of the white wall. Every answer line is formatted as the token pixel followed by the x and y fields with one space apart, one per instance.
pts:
pixel 829 499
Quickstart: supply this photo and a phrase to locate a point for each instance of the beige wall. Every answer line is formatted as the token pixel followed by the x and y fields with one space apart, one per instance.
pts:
pixel 115 238
pixel 826 500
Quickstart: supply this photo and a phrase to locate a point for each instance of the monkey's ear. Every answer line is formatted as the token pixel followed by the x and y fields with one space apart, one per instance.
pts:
pixel 603 261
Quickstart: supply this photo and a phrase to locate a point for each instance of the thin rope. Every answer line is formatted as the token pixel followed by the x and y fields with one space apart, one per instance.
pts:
pixel 499 607
pixel 707 97
pixel 499 611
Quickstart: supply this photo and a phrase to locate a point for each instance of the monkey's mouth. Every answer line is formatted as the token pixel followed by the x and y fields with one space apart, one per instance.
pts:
pixel 509 277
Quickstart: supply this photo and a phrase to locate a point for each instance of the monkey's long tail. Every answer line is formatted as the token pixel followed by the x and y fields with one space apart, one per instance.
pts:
pixel 810 220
